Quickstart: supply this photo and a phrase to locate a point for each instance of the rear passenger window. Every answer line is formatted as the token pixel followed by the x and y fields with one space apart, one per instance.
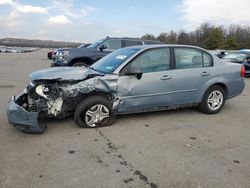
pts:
pixel 131 43
pixel 186 58
pixel 207 60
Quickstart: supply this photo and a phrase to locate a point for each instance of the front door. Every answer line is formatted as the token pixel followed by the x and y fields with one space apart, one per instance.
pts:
pixel 153 89
pixel 112 45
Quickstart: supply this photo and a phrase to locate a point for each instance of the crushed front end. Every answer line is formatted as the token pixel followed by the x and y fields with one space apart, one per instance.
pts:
pixel 28 112
pixel 43 99
pixel 23 119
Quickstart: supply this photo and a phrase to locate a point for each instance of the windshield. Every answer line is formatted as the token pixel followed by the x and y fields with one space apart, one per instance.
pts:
pixel 96 44
pixel 110 62
pixel 235 57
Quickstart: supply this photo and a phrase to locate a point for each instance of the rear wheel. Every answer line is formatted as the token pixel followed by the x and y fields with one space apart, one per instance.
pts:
pixel 94 111
pixel 79 64
pixel 213 100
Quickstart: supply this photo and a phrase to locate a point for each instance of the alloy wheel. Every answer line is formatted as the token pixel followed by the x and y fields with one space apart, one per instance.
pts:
pixel 96 114
pixel 215 100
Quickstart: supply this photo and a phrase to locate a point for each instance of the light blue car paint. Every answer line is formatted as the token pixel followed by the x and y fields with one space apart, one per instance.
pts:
pixel 129 94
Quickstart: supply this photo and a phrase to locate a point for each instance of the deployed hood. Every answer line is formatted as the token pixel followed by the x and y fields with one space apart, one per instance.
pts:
pixel 64 74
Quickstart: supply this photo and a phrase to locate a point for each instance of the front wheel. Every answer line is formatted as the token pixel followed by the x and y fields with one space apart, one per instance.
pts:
pixel 213 100
pixel 79 64
pixel 94 111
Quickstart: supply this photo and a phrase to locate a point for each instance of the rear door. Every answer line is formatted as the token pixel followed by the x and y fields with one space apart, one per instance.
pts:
pixel 193 68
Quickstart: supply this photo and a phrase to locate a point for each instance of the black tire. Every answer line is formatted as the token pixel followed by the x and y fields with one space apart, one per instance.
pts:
pixel 79 64
pixel 87 104
pixel 205 107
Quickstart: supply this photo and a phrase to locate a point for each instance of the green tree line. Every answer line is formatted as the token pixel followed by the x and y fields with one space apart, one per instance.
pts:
pixel 208 36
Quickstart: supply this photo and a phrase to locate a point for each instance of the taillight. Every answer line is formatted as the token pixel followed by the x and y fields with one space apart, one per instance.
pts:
pixel 242 71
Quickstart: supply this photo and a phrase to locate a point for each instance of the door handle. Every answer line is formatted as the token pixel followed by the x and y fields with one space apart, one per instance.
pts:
pixel 166 77
pixel 205 73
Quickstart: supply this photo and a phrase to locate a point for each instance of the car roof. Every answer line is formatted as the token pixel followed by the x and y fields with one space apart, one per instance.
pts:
pixel 142 47
pixel 131 38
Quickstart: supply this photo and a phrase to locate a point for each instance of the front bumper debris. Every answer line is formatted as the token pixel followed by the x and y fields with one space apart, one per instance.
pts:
pixel 28 122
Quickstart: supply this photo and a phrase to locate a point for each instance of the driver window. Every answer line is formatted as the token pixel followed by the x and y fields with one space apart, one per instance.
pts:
pixel 152 61
pixel 112 44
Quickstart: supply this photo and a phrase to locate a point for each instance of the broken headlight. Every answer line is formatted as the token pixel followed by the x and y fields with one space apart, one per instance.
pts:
pixel 48 91
pixel 51 93
pixel 42 91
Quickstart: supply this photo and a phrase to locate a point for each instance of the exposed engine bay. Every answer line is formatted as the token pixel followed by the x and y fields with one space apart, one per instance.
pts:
pixel 56 93
pixel 59 98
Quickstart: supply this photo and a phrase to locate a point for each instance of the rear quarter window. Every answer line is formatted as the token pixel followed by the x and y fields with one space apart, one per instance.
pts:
pixel 207 60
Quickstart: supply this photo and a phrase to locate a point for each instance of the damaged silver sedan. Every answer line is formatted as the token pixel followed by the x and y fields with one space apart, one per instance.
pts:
pixel 129 80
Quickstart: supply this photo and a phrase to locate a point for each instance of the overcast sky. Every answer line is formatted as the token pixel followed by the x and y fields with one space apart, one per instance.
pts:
pixel 90 20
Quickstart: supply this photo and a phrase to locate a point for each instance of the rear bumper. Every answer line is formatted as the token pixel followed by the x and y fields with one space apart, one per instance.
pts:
pixel 28 122
pixel 236 87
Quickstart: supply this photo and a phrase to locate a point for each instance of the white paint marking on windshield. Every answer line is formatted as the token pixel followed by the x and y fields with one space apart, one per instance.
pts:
pixel 109 67
pixel 121 57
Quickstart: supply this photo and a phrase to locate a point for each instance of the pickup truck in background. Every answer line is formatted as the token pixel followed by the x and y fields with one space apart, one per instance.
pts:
pixel 87 56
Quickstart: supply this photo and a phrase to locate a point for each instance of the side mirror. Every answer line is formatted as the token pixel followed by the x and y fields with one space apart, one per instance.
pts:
pixel 133 72
pixel 102 47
